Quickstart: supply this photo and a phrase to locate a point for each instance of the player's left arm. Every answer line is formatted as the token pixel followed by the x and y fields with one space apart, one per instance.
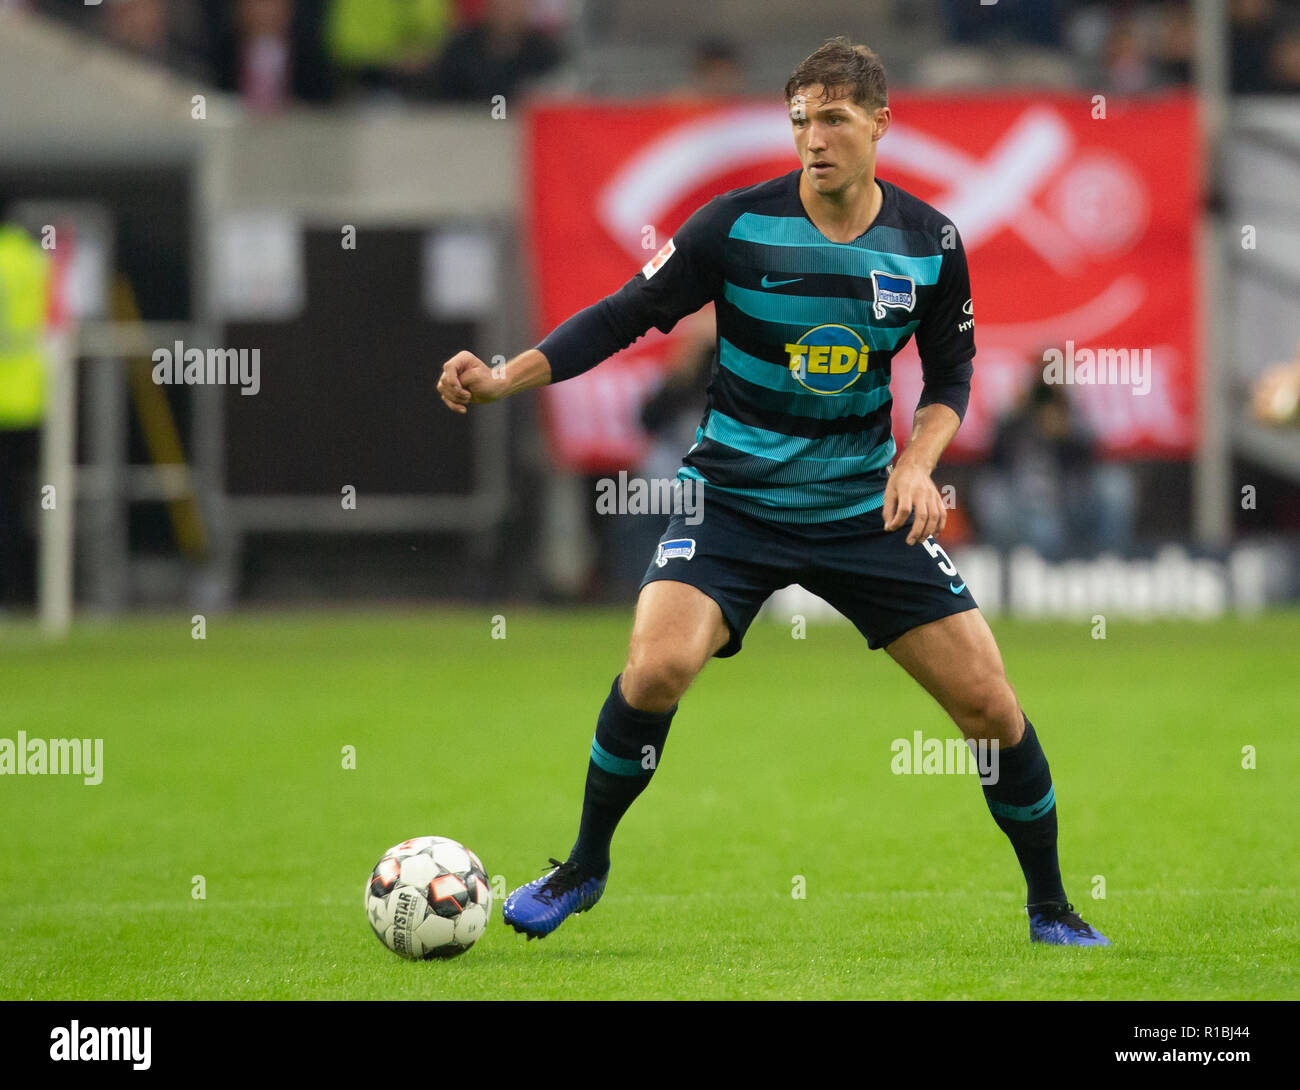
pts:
pixel 945 340
pixel 911 489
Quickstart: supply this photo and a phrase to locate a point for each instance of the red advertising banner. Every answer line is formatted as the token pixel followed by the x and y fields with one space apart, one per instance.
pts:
pixel 1079 230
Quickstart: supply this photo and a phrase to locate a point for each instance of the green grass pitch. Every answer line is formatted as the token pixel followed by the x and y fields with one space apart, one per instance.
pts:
pixel 223 758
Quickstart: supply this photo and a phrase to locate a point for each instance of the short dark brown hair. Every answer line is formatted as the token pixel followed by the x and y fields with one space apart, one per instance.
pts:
pixel 840 66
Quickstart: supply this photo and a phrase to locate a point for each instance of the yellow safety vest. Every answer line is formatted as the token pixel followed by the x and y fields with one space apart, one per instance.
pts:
pixel 379 32
pixel 24 293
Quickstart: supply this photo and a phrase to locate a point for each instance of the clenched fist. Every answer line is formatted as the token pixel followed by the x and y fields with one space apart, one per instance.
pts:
pixel 467 380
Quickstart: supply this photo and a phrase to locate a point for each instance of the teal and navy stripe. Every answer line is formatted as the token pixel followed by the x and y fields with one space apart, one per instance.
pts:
pixel 616 766
pixel 1024 813
pixel 793 229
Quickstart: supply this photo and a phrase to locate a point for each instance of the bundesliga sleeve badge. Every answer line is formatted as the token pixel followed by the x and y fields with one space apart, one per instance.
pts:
pixel 656 263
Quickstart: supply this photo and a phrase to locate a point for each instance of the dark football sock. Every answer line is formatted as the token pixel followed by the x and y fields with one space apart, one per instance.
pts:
pixel 1023 803
pixel 624 754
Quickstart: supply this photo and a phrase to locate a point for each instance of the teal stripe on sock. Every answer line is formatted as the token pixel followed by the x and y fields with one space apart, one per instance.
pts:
pixel 1025 813
pixel 616 766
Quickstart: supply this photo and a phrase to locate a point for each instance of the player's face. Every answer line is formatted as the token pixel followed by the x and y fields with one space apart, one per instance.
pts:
pixel 836 140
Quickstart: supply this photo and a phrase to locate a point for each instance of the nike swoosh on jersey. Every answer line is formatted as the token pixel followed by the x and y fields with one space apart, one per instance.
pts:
pixel 957 590
pixel 777 283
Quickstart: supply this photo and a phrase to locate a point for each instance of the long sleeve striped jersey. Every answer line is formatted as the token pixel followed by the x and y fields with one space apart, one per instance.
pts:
pixel 797 427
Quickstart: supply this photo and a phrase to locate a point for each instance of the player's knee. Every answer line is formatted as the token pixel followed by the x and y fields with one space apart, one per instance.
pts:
pixel 991 711
pixel 655 680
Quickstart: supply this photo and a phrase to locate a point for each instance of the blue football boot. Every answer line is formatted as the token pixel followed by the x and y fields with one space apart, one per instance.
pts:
pixel 538 908
pixel 1059 925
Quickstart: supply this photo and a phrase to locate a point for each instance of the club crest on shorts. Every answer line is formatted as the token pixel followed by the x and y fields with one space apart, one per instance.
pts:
pixel 681 546
pixel 892 291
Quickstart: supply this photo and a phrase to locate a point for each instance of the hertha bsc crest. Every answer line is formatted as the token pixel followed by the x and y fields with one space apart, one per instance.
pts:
pixel 681 546
pixel 893 291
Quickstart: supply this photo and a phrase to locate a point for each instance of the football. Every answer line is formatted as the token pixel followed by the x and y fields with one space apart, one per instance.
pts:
pixel 428 897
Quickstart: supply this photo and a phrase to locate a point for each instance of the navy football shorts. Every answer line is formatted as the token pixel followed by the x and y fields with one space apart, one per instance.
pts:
pixel 878 581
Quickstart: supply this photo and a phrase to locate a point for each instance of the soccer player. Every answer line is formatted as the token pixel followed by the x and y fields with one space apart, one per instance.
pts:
pixel 818 277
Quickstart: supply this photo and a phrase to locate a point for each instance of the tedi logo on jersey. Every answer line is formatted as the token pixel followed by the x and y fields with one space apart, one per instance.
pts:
pixel 828 359
pixel 893 291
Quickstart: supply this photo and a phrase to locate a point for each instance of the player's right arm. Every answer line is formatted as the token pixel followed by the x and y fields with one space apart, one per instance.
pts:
pixel 467 380
pixel 683 276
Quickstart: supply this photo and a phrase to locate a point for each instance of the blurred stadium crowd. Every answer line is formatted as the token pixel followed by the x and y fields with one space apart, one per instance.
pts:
pixel 274 52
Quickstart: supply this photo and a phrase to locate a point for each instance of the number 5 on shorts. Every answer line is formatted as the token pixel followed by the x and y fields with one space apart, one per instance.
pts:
pixel 936 550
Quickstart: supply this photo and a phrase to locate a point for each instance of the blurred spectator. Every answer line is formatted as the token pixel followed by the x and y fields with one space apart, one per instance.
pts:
pixel 716 70
pixel 1275 396
pixel 270 52
pixel 1045 487
pixel 139 26
pixel 1265 46
pixel 387 47
pixel 672 413
pixel 1126 62
pixel 1175 41
pixel 548 15
pixel 1284 60
pixel 1024 22
pixel 1135 47
pixel 24 294
pixel 496 55
pixel 1252 23
pixel 1019 43
pixel 166 34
